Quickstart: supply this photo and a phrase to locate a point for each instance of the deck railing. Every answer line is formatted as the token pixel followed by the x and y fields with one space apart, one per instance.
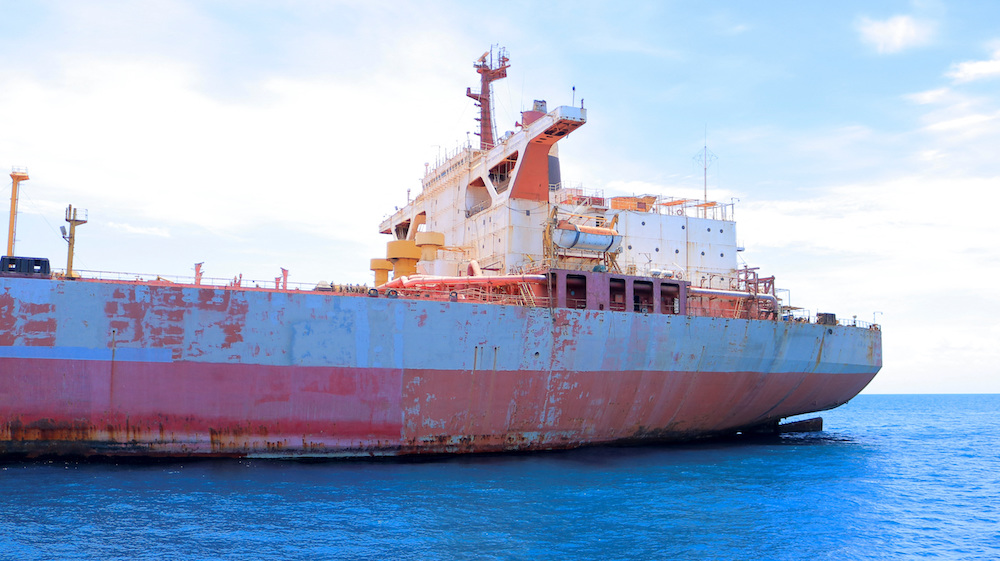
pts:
pixel 472 294
pixel 235 282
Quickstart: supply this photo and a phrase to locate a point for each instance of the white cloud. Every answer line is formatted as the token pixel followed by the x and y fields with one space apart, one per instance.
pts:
pixel 930 96
pixel 932 156
pixel 296 165
pixel 140 230
pixel 958 130
pixel 167 149
pixel 628 46
pixel 891 246
pixel 895 34
pixel 967 125
pixel 976 69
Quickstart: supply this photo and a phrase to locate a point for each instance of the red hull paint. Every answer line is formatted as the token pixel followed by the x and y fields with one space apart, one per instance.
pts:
pixel 187 408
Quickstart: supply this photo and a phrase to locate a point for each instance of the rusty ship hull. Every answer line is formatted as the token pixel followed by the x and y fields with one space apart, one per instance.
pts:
pixel 93 367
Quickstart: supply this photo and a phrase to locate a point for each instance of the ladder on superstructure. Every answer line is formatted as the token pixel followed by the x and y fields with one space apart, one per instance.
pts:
pixel 527 296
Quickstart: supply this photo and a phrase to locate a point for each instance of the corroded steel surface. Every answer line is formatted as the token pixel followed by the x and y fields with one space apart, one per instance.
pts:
pixel 90 367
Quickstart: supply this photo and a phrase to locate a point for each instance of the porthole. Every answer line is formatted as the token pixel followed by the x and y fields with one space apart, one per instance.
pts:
pixel 677 251
pixel 720 230
pixel 709 229
pixel 643 222
pixel 657 250
pixel 703 253
pixel 682 227
pixel 722 255
pixel 630 247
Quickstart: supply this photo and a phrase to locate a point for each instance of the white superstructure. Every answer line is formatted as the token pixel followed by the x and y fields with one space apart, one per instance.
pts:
pixel 503 209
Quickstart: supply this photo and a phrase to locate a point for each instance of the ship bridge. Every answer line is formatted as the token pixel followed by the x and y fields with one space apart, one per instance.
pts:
pixel 486 206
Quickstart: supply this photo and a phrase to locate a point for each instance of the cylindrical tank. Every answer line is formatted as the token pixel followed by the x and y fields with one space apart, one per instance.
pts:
pixel 588 238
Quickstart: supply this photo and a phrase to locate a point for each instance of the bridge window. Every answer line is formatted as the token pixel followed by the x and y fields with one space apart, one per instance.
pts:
pixel 642 297
pixel 670 298
pixel 617 292
pixel 576 291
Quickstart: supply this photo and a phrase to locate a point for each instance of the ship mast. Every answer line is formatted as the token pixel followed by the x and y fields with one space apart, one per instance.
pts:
pixel 488 74
pixel 74 221
pixel 17 176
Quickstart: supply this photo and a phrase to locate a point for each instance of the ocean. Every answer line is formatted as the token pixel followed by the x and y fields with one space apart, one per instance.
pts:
pixel 890 477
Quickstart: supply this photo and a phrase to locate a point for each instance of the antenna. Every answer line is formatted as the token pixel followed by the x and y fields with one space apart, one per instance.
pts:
pixel 705 157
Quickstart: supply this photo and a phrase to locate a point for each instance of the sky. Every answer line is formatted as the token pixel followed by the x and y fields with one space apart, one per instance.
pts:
pixel 857 139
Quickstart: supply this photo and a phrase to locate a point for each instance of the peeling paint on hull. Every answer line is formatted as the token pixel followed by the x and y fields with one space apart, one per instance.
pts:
pixel 104 368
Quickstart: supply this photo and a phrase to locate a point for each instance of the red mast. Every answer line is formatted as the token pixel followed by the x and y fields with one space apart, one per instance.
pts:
pixel 488 73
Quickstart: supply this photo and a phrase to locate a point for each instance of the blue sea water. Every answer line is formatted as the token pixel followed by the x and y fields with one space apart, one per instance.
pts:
pixel 891 477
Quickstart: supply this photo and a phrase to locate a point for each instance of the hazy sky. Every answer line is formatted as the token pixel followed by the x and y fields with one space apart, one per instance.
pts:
pixel 859 138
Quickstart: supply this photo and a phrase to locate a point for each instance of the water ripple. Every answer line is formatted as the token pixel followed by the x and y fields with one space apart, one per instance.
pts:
pixel 892 477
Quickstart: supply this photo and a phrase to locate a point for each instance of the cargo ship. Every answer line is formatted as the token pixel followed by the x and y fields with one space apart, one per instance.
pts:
pixel 511 312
